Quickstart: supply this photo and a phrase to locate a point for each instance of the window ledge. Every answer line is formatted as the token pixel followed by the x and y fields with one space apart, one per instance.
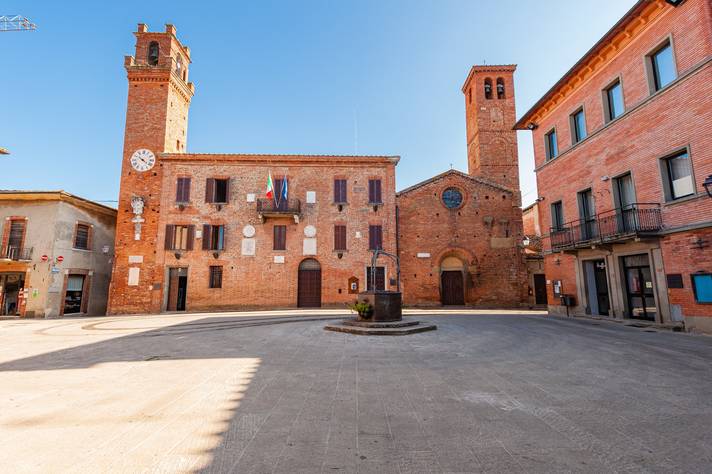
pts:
pixel 82 250
pixel 691 197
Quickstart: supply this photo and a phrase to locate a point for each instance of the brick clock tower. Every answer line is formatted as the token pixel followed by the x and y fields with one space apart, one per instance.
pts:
pixel 156 123
pixel 490 118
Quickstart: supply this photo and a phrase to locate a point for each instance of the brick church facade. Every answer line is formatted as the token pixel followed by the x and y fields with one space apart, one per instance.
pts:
pixel 198 231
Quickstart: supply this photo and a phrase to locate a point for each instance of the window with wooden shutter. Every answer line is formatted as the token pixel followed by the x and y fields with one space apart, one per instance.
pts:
pixel 222 191
pixel 17 233
pixel 374 191
pixel 213 237
pixel 191 237
pixel 82 236
pixel 280 237
pixel 183 190
pixel 168 245
pixel 340 191
pixel 210 190
pixel 339 237
pixel 375 237
pixel 206 236
pixel 380 279
pixel 216 273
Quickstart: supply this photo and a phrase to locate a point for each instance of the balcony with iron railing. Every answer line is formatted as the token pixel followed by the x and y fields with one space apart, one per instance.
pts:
pixel 12 252
pixel 614 225
pixel 289 208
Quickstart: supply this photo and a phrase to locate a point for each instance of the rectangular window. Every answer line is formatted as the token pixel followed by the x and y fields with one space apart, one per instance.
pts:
pixel 661 67
pixel 677 173
pixel 339 237
pixel 552 147
pixel 82 234
pixel 624 191
pixel 380 279
pixel 557 216
pixel 613 101
pixel 374 191
pixel 213 237
pixel 375 237
pixel 183 190
pixel 577 121
pixel 179 237
pixel 340 191
pixel 217 190
pixel 702 287
pixel 280 237
pixel 17 233
pixel 216 276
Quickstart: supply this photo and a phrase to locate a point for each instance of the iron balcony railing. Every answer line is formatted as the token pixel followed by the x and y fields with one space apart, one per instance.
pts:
pixel 11 252
pixel 285 206
pixel 609 226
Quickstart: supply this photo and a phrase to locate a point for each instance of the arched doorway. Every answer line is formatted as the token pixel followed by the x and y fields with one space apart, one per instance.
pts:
pixel 452 282
pixel 309 284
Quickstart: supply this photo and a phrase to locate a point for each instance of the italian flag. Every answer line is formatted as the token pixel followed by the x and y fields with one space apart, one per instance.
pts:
pixel 270 186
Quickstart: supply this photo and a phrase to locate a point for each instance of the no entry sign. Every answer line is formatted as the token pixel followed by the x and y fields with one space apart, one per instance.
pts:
pixel 60 259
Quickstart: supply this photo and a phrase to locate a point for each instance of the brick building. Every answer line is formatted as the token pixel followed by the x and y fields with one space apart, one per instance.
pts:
pixel 622 148
pixel 460 234
pixel 197 231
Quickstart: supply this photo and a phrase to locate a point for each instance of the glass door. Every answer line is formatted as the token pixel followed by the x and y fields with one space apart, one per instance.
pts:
pixel 587 214
pixel 639 287
pixel 625 195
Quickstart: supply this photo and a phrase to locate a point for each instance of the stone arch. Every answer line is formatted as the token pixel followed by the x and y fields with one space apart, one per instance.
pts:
pixel 488 88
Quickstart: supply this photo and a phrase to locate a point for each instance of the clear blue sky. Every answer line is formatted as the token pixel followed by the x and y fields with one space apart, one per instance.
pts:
pixel 279 77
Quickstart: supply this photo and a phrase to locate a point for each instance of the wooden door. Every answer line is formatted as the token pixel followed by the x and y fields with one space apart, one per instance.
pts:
pixel 540 288
pixel 309 284
pixel 177 289
pixel 453 292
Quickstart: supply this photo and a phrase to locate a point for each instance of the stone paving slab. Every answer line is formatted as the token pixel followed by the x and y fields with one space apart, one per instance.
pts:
pixel 273 392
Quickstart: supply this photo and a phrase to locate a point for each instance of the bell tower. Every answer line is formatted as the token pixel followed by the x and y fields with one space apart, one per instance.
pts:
pixel 156 123
pixel 490 117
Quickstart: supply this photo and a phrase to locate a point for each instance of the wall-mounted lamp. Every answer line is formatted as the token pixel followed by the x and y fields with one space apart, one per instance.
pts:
pixel 605 178
pixel 532 126
pixel 539 199
pixel 708 185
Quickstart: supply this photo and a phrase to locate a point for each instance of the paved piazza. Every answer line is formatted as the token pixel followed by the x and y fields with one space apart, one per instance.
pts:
pixel 274 392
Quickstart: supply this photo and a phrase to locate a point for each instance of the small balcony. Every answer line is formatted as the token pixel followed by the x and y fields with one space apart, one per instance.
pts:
pixel 18 254
pixel 615 225
pixel 286 208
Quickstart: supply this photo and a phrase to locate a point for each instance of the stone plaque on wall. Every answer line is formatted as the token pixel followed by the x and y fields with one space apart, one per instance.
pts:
pixel 309 246
pixel 248 247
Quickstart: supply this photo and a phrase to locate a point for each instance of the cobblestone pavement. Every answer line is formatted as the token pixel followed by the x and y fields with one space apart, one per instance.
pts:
pixel 274 392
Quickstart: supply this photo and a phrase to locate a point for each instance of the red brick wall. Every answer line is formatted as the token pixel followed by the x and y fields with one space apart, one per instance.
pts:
pixel 250 281
pixel 483 233
pixel 654 126
pixel 491 141
pixel 682 254
pixel 156 117
pixel 530 221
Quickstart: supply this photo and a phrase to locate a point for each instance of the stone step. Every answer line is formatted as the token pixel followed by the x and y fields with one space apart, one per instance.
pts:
pixel 382 331
pixel 380 324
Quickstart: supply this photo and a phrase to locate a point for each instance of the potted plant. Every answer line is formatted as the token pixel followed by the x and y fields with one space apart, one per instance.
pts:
pixel 363 308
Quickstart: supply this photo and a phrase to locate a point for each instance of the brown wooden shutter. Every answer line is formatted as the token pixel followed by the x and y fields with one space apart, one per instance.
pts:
pixel 379 237
pixel 339 237
pixel 179 190
pixel 227 190
pixel 371 191
pixel 221 245
pixel 280 237
pixel 206 237
pixel 191 237
pixel 339 190
pixel 210 190
pixel 371 237
pixel 377 186
pixel 169 237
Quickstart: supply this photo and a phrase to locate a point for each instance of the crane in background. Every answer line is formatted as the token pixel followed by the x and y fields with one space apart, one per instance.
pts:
pixel 15 23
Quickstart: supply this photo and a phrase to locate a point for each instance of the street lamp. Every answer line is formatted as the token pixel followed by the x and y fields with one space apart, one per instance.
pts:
pixel 708 185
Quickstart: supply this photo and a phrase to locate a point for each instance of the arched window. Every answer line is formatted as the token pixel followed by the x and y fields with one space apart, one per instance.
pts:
pixel 469 95
pixel 488 88
pixel 500 88
pixel 153 51
pixel 179 65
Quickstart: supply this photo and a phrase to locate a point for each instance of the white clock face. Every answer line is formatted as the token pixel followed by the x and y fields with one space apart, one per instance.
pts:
pixel 143 160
